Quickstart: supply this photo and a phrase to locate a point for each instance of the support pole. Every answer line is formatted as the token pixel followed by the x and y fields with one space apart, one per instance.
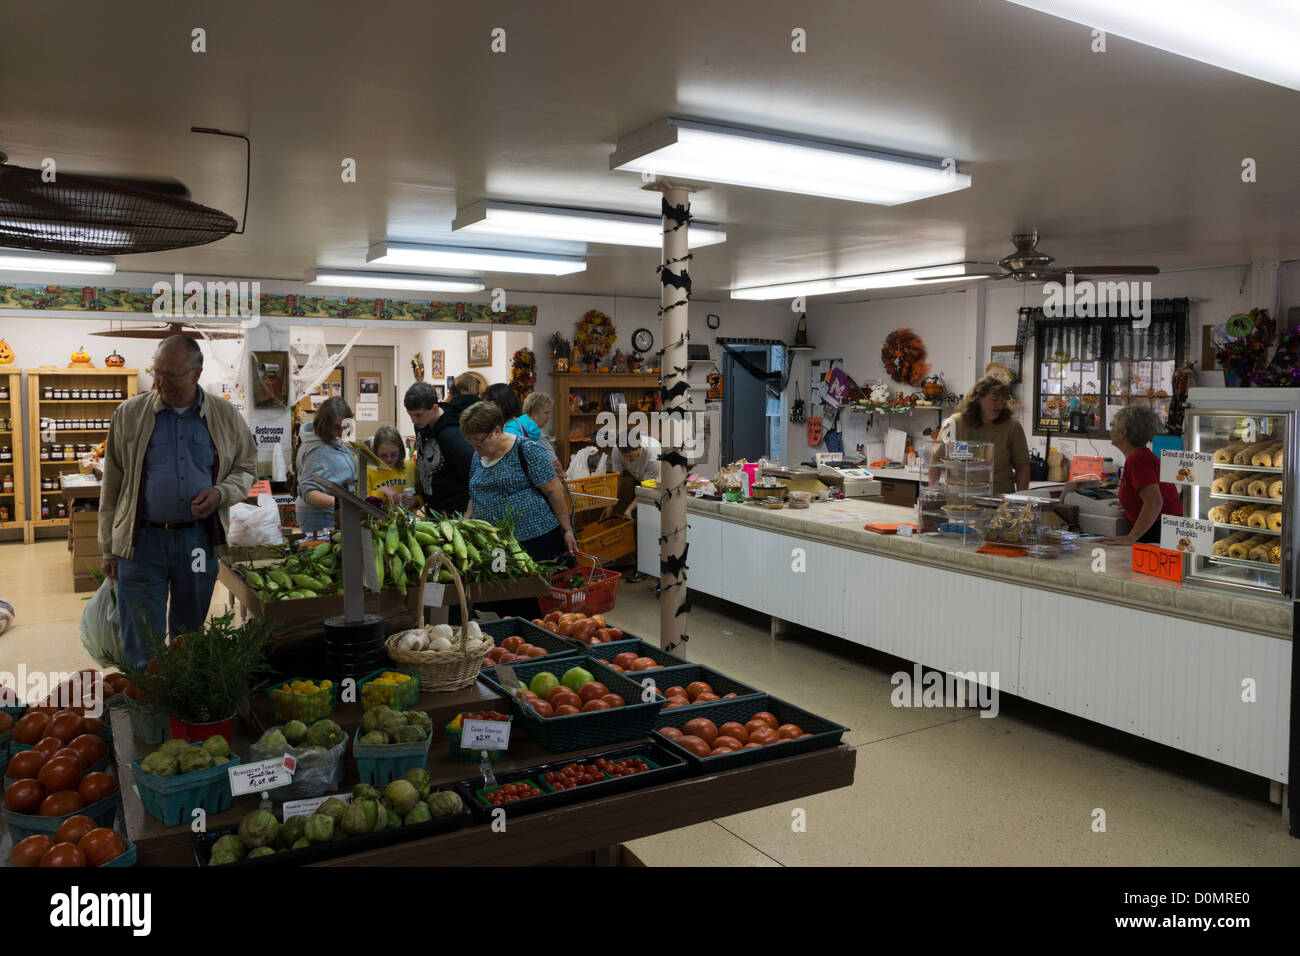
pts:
pixel 676 416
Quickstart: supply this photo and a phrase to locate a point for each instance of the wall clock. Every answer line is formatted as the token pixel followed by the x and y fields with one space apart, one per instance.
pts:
pixel 643 340
pixel 713 320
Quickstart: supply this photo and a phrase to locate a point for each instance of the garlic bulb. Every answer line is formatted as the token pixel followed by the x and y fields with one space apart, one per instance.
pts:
pixel 412 641
pixel 439 644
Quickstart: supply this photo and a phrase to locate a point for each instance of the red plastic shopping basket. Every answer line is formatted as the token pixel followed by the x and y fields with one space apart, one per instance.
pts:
pixel 595 595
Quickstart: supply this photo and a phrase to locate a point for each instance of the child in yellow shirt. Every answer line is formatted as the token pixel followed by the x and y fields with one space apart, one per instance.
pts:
pixel 389 473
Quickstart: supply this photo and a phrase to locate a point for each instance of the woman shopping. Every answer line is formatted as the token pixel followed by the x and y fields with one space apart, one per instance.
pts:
pixel 323 455
pixel 983 416
pixel 388 480
pixel 1142 495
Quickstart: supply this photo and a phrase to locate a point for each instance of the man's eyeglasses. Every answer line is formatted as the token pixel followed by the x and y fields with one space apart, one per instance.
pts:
pixel 172 376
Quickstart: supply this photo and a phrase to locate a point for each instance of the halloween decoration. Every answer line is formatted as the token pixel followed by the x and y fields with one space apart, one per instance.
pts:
pixel 81 357
pixel 6 353
pixel 1284 370
pixel 417 367
pixel 903 357
pixel 595 336
pixel 114 360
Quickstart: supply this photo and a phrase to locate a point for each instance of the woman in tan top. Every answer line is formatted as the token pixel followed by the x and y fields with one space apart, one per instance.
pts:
pixel 982 416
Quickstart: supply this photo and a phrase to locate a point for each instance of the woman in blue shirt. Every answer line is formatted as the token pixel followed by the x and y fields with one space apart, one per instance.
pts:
pixel 323 454
pixel 513 477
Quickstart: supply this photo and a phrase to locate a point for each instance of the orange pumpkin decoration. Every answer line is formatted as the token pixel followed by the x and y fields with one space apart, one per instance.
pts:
pixel 115 360
pixel 81 357
pixel 6 353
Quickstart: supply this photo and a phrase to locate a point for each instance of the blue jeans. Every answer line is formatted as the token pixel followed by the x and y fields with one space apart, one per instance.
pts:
pixel 164 561
pixel 309 522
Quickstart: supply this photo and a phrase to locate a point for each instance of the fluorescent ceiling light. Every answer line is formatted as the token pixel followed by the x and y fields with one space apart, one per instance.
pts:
pixel 764 160
pixel 72 264
pixel 391 280
pixel 583 225
pixel 874 280
pixel 1255 38
pixel 473 260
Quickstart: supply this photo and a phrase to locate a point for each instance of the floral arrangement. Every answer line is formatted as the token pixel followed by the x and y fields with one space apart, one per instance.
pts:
pixel 1284 370
pixel 595 336
pixel 522 375
pixel 560 346
pixel 903 357
pixel 1242 356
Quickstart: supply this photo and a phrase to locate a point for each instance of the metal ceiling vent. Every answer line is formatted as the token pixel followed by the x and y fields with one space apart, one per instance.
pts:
pixel 94 215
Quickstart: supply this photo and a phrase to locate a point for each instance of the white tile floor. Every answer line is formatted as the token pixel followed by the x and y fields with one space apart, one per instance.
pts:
pixel 933 787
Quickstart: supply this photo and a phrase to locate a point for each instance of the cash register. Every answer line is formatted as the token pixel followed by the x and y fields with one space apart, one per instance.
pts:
pixel 854 480
pixel 1099 511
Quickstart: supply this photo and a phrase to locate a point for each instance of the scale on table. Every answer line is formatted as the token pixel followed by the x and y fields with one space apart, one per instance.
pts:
pixel 855 481
pixel 1099 511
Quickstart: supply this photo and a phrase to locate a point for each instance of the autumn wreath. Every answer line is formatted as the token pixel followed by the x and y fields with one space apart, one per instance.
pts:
pixel 903 357
pixel 595 335
pixel 522 375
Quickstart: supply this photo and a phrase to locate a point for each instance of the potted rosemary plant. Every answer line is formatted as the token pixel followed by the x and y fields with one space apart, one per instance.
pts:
pixel 199 680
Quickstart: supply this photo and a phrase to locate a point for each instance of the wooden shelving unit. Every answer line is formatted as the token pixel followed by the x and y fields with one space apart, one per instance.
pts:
pixel 39 408
pixel 594 389
pixel 11 437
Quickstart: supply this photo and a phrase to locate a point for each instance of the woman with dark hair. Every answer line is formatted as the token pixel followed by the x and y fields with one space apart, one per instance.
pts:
pixel 322 454
pixel 983 416
pixel 504 398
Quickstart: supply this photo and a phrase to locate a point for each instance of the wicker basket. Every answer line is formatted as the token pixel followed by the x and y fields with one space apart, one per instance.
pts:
pixel 443 670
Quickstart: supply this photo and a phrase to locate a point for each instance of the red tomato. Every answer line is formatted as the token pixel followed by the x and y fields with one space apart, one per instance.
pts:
pixel 789 731
pixel 564 710
pixel 615 667
pixel 592 690
pixel 102 845
pixel 729 743
pixel 31 728
pixel 721 751
pixel 764 736
pixel 6 722
pixel 754 725
pixel 497 653
pixel 532 650
pixel 598 618
pixel 73 829
pixel 25 765
pixel 552 618
pixel 614 700
pixel 705 698
pixel 695 688
pixel 28 852
pixel 677 702
pixel 735 731
pixel 97 786
pixel 752 747
pixel 645 664
pixel 583 630
pixel 24 796
pixel 615 633
pixel 625 660
pixel 543 709
pixel 672 733
pixel 63 854
pixel 69 752
pixel 65 726
pixel 694 744
pixel 94 725
pixel 767 719
pixel 49 746
pixel 702 728
pixel 565 629
pixel 513 643
pixel 595 704
pixel 60 773
pixel 676 691
pixel 62 803
pixel 568 697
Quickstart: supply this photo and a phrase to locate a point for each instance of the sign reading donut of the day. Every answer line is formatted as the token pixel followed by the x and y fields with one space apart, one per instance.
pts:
pixel 1186 467
pixel 1189 535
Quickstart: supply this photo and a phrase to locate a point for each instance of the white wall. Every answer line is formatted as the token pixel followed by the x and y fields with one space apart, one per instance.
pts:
pixel 958 344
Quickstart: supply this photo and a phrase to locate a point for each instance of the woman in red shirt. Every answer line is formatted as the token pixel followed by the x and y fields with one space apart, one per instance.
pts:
pixel 1142 495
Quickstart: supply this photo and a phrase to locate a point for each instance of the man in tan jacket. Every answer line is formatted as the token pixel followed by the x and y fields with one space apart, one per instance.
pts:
pixel 176 460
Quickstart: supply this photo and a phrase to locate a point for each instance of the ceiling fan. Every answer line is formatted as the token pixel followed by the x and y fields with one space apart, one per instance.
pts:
pixel 1027 264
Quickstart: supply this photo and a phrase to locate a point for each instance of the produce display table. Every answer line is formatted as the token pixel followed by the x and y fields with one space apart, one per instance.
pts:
pixel 582 832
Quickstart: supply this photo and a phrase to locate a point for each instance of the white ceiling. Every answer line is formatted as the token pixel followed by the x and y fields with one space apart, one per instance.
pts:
pixel 1127 156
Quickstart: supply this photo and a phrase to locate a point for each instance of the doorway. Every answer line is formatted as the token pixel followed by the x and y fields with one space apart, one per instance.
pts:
pixel 366 373
pixel 745 432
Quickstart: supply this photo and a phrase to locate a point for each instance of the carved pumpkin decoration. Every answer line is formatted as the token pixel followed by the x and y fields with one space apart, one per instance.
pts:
pixel 6 353
pixel 81 357
pixel 115 360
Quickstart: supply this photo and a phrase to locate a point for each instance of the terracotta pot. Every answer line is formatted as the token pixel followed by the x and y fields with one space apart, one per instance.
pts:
pixel 197 733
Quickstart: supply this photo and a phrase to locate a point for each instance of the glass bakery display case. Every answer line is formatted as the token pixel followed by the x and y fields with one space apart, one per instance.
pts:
pixel 1250 500
pixel 956 481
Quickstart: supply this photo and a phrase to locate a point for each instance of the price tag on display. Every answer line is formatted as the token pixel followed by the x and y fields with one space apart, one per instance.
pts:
pixel 260 776
pixel 961 449
pixel 1085 467
pixel 1188 535
pixel 1186 467
pixel 485 735
pixel 433 594
pixel 1157 562
pixel 306 808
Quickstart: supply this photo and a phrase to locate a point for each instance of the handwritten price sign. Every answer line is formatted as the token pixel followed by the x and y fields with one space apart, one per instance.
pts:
pixel 260 776
pixel 485 735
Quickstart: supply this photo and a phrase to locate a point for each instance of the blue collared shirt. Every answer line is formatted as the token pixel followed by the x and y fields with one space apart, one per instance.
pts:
pixel 177 464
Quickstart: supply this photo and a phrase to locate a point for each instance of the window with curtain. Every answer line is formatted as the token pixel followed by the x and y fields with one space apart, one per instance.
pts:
pixel 1097 366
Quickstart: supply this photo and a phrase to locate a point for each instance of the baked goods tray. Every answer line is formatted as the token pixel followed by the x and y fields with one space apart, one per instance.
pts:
pixel 1254 501
pixel 1268 468
pixel 1242 527
pixel 1243 563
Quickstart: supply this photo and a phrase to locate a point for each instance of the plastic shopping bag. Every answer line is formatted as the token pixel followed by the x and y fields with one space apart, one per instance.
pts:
pixel 253 525
pixel 101 630
pixel 580 463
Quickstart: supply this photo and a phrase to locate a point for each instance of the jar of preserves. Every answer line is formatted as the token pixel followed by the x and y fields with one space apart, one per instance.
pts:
pixel 45 510
pixel 47 393
pixel 45 453
pixel 6 453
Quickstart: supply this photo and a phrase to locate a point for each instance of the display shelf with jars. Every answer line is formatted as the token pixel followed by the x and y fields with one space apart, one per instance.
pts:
pixel 13 496
pixel 581 397
pixel 69 412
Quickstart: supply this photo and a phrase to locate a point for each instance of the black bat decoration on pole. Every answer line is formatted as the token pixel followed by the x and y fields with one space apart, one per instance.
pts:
pixel 680 388
pixel 676 564
pixel 674 458
pixel 680 215
pixel 677 281
pixel 684 609
pixel 679 302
